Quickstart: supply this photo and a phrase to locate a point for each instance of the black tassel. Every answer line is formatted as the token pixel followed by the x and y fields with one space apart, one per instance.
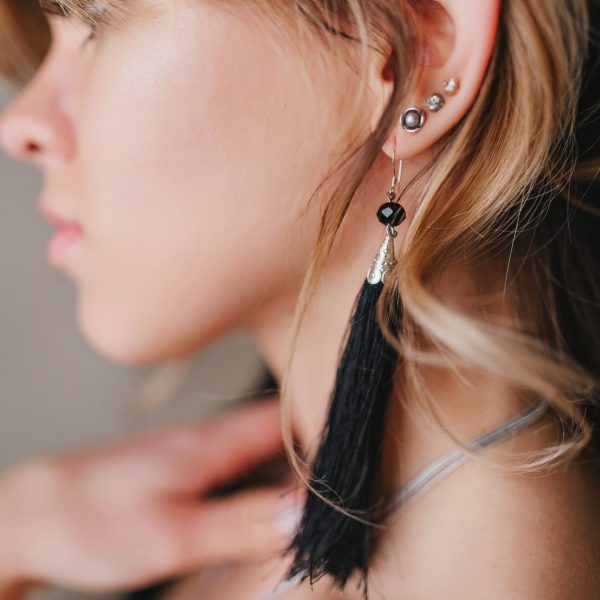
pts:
pixel 346 465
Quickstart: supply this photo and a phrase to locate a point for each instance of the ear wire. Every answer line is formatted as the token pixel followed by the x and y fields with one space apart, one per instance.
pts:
pixel 396 177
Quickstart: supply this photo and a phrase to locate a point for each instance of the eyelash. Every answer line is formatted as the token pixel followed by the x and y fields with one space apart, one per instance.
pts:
pixel 94 18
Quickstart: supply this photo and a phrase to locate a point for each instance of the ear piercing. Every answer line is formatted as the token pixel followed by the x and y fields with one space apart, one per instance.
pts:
pixel 451 86
pixel 435 102
pixel 413 118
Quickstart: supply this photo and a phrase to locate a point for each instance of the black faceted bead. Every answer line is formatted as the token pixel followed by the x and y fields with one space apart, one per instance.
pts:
pixel 391 213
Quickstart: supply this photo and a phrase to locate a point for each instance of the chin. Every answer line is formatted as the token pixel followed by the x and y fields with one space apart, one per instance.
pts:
pixel 122 338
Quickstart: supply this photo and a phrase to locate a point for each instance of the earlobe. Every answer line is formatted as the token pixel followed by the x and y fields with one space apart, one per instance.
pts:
pixel 462 34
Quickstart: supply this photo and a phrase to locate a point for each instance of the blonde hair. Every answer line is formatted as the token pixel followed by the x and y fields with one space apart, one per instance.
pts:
pixel 491 204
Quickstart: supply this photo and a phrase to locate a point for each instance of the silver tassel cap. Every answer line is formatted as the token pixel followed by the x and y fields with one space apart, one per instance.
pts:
pixel 385 260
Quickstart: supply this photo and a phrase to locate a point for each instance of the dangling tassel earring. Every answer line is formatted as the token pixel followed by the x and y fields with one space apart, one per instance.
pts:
pixel 345 469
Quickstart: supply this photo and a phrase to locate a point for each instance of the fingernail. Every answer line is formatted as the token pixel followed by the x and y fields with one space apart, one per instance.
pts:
pixel 288 519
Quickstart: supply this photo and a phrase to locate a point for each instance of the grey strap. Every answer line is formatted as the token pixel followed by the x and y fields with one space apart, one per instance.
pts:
pixel 438 469
pixel 451 460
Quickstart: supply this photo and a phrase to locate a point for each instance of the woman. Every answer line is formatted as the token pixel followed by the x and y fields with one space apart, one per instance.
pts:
pixel 218 165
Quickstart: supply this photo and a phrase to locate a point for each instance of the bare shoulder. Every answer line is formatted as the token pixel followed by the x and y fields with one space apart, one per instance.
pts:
pixel 487 534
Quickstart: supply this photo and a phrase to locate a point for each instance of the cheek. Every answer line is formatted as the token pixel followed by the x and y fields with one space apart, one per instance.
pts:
pixel 189 183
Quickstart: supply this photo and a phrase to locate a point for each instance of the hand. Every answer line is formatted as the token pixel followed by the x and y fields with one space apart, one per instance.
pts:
pixel 133 513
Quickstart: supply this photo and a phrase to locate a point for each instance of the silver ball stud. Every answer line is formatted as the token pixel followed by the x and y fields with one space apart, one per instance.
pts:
pixel 435 102
pixel 412 119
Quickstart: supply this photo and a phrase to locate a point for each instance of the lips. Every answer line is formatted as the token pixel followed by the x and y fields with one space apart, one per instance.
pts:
pixel 60 244
pixel 68 232
pixel 55 219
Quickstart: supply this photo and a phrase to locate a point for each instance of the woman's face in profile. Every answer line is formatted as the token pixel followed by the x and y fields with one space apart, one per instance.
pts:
pixel 185 144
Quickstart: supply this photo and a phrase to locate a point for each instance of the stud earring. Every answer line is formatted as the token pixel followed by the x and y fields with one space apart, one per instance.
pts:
pixel 451 86
pixel 412 119
pixel 435 102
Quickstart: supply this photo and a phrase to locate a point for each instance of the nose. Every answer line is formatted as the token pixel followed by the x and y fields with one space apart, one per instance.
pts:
pixel 34 128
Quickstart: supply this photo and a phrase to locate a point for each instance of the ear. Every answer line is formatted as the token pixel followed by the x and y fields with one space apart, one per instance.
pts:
pixel 460 36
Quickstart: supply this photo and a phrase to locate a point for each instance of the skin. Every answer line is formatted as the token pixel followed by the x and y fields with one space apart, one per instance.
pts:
pixel 160 140
pixel 138 302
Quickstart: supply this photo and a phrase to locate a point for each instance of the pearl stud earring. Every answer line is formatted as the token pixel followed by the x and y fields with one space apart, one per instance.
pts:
pixel 412 119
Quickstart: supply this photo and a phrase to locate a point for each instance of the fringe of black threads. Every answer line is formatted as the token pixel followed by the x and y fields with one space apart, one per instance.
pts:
pixel 345 469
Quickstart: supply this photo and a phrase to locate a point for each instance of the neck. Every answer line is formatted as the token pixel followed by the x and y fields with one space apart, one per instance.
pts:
pixel 313 368
pixel 316 356
pixel 470 403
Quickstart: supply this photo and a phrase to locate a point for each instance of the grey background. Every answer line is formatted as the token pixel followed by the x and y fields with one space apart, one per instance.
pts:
pixel 56 393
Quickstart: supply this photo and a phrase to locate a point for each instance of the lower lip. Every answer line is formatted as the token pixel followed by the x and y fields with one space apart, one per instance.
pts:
pixel 61 242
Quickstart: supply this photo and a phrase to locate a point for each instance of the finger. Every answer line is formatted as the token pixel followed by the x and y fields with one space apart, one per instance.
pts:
pixel 250 525
pixel 206 454
pixel 243 437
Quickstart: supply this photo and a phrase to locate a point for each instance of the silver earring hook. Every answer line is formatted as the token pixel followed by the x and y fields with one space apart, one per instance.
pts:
pixel 396 177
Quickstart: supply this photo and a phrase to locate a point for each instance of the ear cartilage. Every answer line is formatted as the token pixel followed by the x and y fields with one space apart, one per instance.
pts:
pixel 451 86
pixel 435 102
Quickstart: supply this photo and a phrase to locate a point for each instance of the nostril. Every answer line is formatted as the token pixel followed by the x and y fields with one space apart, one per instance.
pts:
pixel 31 147
pixel 31 133
pixel 17 141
